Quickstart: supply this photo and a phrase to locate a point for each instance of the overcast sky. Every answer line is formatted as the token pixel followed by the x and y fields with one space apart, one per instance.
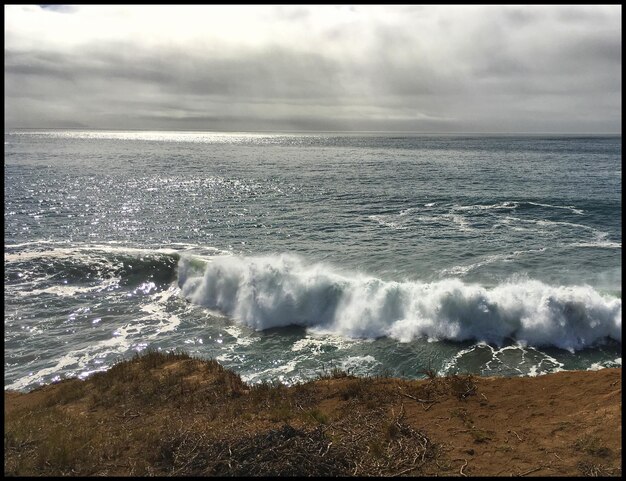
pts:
pixel 365 67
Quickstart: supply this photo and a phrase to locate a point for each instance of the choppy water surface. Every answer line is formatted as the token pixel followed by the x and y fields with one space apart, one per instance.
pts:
pixel 283 255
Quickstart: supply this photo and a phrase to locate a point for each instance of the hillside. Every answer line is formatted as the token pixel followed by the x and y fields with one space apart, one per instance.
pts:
pixel 169 414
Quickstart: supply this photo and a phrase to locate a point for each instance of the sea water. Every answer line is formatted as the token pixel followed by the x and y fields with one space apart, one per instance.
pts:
pixel 284 256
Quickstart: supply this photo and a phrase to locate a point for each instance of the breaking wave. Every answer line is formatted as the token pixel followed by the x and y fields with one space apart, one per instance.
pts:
pixel 276 291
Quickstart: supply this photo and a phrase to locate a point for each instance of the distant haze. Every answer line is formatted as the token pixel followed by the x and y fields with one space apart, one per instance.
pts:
pixel 461 68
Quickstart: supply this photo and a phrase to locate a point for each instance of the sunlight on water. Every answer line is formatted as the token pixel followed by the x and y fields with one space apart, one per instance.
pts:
pixel 286 255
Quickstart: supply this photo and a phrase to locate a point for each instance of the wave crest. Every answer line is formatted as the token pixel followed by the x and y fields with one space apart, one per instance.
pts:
pixel 276 291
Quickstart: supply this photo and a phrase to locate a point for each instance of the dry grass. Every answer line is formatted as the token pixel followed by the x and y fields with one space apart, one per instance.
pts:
pixel 169 414
pixel 592 445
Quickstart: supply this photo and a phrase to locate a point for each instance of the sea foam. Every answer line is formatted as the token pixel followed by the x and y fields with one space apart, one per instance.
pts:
pixel 281 290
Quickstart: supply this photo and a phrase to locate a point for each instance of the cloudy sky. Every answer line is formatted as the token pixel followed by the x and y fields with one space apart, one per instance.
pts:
pixel 363 68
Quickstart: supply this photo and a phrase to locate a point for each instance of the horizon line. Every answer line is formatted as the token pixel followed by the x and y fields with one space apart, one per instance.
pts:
pixel 310 131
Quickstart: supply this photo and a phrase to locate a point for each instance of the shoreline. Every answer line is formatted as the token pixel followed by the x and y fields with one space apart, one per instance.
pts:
pixel 170 414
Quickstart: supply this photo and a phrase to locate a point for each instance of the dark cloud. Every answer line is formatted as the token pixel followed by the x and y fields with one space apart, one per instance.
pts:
pixel 59 8
pixel 420 69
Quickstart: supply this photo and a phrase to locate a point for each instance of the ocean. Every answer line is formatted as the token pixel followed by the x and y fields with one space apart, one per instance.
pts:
pixel 287 255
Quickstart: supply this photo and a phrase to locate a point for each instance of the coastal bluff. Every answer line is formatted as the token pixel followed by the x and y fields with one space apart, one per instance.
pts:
pixel 171 414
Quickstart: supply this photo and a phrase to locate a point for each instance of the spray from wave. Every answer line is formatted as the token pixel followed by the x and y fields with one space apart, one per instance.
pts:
pixel 276 291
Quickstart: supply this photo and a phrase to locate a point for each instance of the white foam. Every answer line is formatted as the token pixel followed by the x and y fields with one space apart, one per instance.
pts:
pixel 316 342
pixel 82 252
pixel 408 211
pixel 520 364
pixel 387 222
pixel 359 365
pixel 552 223
pixel 240 338
pixel 567 207
pixel 596 366
pixel 450 363
pixel 61 291
pixel 598 244
pixel 118 343
pixel 125 250
pixel 309 344
pixel 276 291
pixel 502 205
pixel 156 310
pixel 29 255
pixel 513 205
pixel 460 221
pixel 508 257
pixel 29 243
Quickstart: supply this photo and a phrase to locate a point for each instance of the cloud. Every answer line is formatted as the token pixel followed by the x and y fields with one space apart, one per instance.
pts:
pixel 445 68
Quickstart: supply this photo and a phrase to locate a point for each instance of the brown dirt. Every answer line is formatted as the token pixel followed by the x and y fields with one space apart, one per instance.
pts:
pixel 173 415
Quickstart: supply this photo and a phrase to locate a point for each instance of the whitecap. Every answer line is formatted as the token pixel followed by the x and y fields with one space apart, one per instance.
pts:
pixel 276 291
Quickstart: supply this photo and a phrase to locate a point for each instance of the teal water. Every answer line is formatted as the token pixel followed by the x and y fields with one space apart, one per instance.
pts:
pixel 283 255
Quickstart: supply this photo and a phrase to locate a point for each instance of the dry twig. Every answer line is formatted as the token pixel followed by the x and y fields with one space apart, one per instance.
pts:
pixel 530 471
pixel 461 470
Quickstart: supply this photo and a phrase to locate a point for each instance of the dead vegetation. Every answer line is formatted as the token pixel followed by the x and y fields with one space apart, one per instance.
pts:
pixel 169 414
